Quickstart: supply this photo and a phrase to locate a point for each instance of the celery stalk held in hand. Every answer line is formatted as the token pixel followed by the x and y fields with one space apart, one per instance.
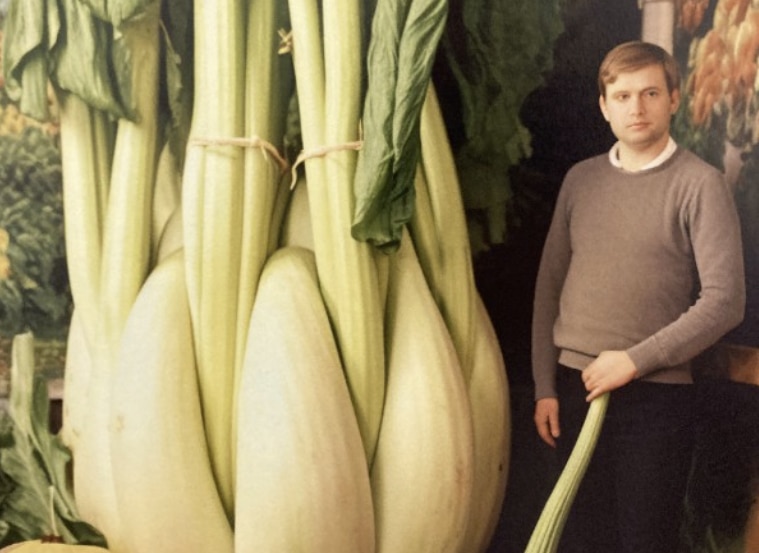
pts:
pixel 547 532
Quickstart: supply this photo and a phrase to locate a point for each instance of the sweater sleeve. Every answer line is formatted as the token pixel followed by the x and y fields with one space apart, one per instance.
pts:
pixel 714 230
pixel 554 264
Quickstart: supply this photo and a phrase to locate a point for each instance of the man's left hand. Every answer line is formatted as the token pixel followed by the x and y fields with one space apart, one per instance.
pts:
pixel 609 371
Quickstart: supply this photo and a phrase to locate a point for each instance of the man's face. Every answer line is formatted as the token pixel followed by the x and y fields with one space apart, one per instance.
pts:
pixel 639 107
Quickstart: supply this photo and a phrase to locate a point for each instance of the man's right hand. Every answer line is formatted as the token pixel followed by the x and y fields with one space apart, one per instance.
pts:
pixel 547 419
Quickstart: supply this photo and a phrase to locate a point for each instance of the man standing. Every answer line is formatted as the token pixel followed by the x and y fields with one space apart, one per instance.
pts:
pixel 641 271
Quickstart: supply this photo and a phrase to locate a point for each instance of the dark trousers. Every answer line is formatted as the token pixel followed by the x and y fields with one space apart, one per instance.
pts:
pixel 631 499
pixel 724 483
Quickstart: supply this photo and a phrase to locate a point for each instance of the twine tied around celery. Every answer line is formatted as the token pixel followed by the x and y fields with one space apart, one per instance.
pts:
pixel 267 148
pixel 286 47
pixel 321 152
pixel 285 42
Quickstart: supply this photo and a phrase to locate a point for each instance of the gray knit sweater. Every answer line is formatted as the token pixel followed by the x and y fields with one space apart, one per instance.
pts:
pixel 647 262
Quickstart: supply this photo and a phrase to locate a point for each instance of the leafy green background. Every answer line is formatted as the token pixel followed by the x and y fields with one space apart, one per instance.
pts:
pixel 35 296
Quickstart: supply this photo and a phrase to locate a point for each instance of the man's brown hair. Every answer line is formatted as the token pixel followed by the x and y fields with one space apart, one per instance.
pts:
pixel 634 55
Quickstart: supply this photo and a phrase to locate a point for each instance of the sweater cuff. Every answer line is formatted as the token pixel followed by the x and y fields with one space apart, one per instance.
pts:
pixel 647 356
pixel 545 388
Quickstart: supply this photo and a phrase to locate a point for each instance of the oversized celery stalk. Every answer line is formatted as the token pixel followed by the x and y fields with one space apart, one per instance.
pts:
pixel 212 218
pixel 547 533
pixel 329 93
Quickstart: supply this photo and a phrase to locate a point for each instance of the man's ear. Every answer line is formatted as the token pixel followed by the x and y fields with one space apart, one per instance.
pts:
pixel 674 101
pixel 602 105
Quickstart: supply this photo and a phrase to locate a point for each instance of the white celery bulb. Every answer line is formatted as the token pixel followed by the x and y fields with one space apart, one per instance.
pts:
pixel 491 415
pixel 76 377
pixel 423 470
pixel 165 489
pixel 302 482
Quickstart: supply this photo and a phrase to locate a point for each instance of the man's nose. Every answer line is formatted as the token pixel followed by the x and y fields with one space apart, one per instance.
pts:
pixel 636 105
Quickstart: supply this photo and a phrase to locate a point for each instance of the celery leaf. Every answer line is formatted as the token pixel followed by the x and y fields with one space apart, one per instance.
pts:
pixel 404 39
pixel 32 460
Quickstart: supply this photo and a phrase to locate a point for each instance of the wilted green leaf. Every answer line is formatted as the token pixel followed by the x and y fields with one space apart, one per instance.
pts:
pixel 404 40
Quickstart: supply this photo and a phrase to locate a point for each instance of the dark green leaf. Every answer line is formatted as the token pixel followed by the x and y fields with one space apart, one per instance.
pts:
pixel 498 52
pixel 88 63
pixel 404 39
pixel 178 72
pixel 28 29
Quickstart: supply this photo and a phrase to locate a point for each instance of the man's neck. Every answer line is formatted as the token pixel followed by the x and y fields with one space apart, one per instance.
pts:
pixel 633 160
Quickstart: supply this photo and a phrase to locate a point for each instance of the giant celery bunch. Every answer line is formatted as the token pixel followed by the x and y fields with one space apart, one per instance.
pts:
pixel 413 324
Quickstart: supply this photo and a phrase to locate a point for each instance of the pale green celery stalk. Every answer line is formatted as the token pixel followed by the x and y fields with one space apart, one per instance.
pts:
pixel 86 150
pixel 166 198
pixel 266 100
pixel 328 91
pixel 214 233
pixel 350 284
pixel 193 170
pixel 127 232
pixel 308 64
pixel 124 266
pixel 281 209
pixel 547 532
pixel 424 234
pixel 456 290
pixel 86 166
pixel 487 384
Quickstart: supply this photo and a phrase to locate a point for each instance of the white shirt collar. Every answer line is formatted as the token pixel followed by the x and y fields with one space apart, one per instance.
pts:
pixel 669 149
